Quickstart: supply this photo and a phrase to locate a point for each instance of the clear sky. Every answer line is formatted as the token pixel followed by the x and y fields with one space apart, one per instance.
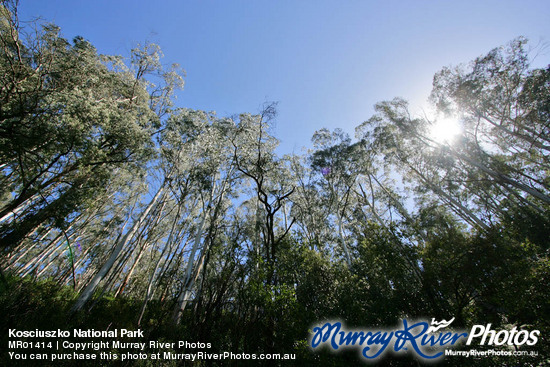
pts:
pixel 326 62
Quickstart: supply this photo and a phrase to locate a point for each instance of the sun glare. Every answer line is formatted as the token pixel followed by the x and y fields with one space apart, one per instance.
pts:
pixel 445 130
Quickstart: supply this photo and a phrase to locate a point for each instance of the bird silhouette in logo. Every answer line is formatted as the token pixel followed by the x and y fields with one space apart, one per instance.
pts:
pixel 439 325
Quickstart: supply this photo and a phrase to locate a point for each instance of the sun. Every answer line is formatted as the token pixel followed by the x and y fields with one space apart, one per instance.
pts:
pixel 445 130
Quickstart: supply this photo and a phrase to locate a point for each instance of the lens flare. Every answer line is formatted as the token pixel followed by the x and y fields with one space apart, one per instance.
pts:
pixel 445 130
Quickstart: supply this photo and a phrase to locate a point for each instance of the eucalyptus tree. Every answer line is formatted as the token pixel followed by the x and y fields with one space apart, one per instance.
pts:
pixel 497 165
pixel 69 119
pixel 308 207
pixel 272 188
pixel 83 241
pixel 501 96
pixel 503 104
pixel 122 242
pixel 336 177
pixel 198 146
pixel 493 176
pixel 428 165
pixel 76 130
pixel 193 176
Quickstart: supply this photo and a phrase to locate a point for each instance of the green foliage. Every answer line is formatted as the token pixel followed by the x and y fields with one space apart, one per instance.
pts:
pixel 190 226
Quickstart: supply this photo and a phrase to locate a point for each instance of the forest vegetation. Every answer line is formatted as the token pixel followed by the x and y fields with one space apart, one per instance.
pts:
pixel 119 209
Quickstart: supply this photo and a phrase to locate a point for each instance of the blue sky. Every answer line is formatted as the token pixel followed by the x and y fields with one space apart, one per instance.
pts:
pixel 326 62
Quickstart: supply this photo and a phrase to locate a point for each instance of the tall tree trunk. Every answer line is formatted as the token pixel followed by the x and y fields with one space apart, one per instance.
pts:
pixel 188 283
pixel 191 274
pixel 167 247
pixel 122 243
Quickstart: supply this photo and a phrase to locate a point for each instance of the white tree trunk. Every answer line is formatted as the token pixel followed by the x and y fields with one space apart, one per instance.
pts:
pixel 122 243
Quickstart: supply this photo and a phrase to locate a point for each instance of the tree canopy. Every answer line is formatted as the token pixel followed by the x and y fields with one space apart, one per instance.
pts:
pixel 191 219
